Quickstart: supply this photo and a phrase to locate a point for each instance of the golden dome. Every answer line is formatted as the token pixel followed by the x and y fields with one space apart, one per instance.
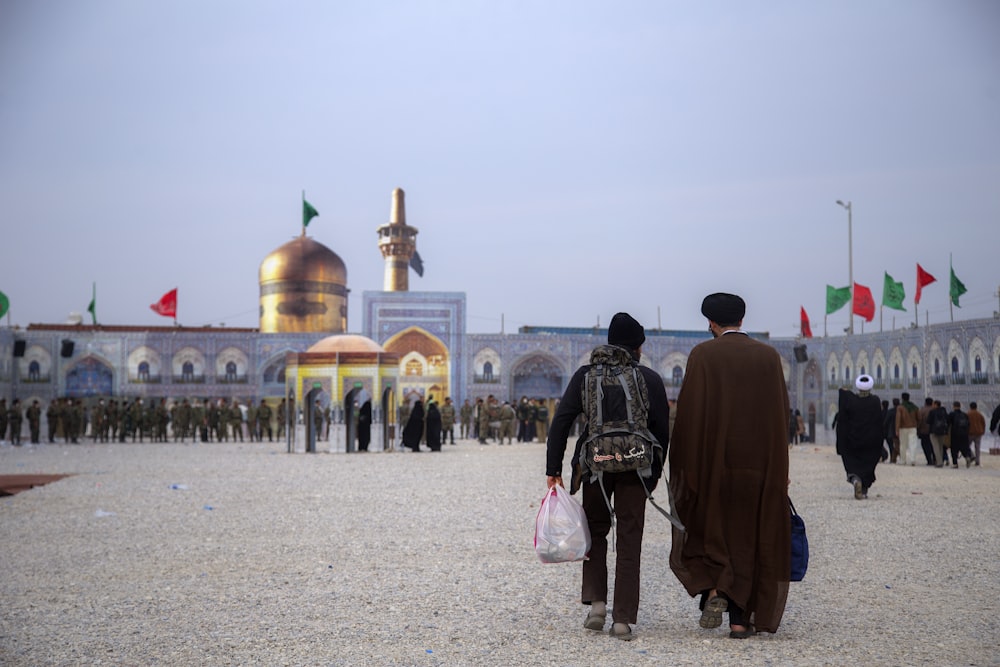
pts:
pixel 346 343
pixel 303 259
pixel 303 289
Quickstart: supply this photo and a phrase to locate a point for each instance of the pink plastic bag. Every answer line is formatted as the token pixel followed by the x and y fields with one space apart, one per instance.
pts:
pixel 561 531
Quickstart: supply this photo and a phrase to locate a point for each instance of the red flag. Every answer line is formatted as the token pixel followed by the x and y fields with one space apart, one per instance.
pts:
pixel 923 280
pixel 167 305
pixel 806 329
pixel 864 304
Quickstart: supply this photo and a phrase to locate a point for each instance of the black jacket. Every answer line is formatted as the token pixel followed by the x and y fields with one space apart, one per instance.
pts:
pixel 571 407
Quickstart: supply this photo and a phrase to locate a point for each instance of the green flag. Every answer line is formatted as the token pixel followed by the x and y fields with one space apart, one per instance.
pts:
pixel 957 288
pixel 4 304
pixel 308 213
pixel 836 297
pixel 92 308
pixel 893 294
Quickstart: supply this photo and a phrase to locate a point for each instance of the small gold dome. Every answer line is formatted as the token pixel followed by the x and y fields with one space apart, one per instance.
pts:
pixel 346 343
pixel 303 259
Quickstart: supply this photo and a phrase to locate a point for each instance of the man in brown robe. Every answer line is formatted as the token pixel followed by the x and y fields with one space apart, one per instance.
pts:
pixel 729 476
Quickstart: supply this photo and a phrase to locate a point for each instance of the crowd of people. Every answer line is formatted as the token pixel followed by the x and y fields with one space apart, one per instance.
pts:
pixel 72 421
pixel 936 430
pixel 870 431
pixel 488 420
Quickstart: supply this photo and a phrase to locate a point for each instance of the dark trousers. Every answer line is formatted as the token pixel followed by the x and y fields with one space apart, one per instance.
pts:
pixel 628 497
pixel 925 444
pixel 960 446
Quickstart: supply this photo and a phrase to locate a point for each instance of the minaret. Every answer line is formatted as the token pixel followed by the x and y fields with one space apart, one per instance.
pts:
pixel 397 241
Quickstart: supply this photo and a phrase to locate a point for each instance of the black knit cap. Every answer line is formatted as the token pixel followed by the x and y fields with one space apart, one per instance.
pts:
pixel 724 309
pixel 626 331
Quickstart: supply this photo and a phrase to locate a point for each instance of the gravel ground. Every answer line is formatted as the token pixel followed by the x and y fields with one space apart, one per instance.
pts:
pixel 241 554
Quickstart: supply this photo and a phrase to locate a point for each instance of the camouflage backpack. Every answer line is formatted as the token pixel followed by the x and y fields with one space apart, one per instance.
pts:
pixel 616 405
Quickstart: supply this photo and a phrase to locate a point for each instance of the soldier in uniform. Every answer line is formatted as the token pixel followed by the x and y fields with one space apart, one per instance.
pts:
pixel 482 421
pixel 523 414
pixel 182 426
pixel 212 415
pixel 264 421
pixel 52 418
pixel 175 426
pixel 236 420
pixel 465 419
pixel 507 417
pixel 162 415
pixel 447 421
pixel 252 426
pixel 124 420
pixel 110 421
pixel 14 422
pixel 199 422
pixel 136 413
pixel 3 419
pixel 75 420
pixel 97 420
pixel 34 421
pixel 224 418
pixel 541 419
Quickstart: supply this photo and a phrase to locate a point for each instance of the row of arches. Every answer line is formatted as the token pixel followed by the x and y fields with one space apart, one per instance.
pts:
pixel 954 364
pixel 540 374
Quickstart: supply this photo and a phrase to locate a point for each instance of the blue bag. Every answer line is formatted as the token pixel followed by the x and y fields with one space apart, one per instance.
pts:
pixel 800 546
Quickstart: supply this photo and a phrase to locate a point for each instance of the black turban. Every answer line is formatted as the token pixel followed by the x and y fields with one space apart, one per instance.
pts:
pixel 625 331
pixel 724 309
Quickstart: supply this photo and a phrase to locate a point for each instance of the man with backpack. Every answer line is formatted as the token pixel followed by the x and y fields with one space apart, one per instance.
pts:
pixel 618 456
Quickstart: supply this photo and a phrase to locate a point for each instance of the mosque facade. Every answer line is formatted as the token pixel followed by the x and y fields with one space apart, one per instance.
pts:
pixel 415 345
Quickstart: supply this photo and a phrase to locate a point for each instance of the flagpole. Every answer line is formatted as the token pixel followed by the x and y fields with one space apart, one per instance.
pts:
pixel 951 302
pixel 850 262
pixel 303 217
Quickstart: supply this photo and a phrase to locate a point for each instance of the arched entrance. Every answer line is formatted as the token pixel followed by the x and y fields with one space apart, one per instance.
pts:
pixel 536 376
pixel 424 364
pixel 89 377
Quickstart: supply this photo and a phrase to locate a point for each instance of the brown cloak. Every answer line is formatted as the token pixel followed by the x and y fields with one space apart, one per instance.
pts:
pixel 729 475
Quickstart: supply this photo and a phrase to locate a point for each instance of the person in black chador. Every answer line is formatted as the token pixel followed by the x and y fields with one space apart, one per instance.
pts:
pixel 433 427
pixel 364 426
pixel 414 429
pixel 860 434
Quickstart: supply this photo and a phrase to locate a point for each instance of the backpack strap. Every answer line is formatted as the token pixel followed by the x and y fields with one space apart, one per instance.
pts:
pixel 628 397
pixel 672 514
pixel 599 383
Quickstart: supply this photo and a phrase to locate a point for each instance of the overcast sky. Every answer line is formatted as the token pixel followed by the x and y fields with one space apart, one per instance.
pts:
pixel 562 160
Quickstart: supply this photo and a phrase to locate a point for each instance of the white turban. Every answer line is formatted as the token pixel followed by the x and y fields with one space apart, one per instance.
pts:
pixel 864 383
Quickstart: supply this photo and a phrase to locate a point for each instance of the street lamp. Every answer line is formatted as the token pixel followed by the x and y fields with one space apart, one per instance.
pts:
pixel 850 262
